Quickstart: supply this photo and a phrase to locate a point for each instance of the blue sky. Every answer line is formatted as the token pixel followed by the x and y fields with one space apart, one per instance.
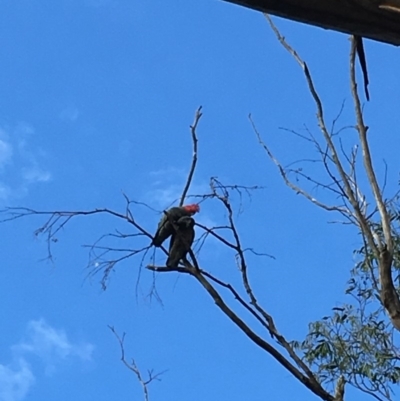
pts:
pixel 97 98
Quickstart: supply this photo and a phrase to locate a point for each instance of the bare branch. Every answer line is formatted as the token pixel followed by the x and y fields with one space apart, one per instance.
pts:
pixel 132 366
pixel 251 250
pixel 240 253
pixel 193 128
pixel 384 252
pixel 310 383
pixel 15 213
pixel 57 220
pixel 289 183
pixel 361 219
pixel 362 131
pixel 212 232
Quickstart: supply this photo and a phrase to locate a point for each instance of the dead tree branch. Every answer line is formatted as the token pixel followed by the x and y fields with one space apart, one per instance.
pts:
pixel 381 245
pixel 384 253
pixel 132 366
pixel 362 131
pixel 290 184
pixel 57 221
pixel 362 222
pixel 269 322
pixel 193 128
pixel 310 382
pixel 231 198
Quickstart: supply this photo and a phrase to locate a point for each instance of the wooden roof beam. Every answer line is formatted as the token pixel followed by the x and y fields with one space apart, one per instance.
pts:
pixel 373 19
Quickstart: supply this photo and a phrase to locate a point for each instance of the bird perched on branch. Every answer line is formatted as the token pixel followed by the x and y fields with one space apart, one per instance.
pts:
pixel 165 227
pixel 181 241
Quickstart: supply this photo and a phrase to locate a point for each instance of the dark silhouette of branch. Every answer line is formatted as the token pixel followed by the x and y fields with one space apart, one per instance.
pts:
pixel 193 128
pixel 132 366
pixel 57 220
pixel 310 382
pixel 269 322
pixel 212 232
pixel 104 258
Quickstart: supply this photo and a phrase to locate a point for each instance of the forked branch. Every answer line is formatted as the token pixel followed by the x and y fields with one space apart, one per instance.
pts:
pixel 380 245
pixel 132 366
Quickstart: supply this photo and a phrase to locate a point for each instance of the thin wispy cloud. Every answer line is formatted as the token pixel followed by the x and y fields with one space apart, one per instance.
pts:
pixel 70 114
pixel 99 3
pixel 125 147
pixel 6 152
pixel 167 172
pixel 15 381
pixel 20 161
pixel 166 187
pixel 35 174
pixel 164 197
pixel 50 345
pixel 5 191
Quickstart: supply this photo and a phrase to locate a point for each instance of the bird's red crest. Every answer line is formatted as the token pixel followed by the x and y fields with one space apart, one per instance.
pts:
pixel 194 208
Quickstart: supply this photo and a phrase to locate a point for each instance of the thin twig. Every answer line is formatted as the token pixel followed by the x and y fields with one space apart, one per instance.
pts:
pixel 289 183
